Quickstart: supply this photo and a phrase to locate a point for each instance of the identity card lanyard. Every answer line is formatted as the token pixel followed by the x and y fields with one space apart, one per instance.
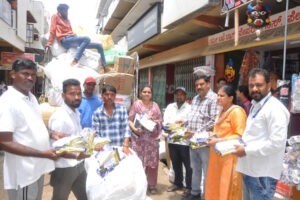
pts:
pixel 253 116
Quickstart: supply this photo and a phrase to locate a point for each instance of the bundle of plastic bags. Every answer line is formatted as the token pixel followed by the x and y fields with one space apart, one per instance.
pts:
pixel 204 70
pixel 142 120
pixel 111 178
pixel 291 165
pixel 85 143
pixel 295 100
pixel 227 147
pixel 176 131
pixel 199 140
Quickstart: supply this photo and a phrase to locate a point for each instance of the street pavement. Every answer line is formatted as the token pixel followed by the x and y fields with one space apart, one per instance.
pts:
pixel 163 183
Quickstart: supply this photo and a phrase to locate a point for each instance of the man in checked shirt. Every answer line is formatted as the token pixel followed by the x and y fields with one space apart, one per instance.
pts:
pixel 110 120
pixel 202 118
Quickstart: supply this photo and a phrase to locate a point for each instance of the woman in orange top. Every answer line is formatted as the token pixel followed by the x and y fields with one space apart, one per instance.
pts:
pixel 223 182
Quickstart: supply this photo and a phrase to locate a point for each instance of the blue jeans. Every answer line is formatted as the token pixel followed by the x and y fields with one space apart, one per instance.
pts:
pixel 199 161
pixel 258 188
pixel 83 42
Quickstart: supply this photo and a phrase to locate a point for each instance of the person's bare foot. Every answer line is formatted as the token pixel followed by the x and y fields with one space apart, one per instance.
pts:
pixel 74 62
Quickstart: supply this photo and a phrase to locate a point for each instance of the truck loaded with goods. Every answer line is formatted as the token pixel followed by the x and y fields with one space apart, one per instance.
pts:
pixel 57 69
pixel 110 173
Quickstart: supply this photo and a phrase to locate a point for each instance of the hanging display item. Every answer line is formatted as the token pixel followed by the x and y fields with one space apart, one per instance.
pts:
pixel 229 71
pixel 258 15
pixel 249 62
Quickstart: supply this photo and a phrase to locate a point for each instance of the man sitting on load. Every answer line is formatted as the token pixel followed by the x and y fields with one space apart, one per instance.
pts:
pixel 61 29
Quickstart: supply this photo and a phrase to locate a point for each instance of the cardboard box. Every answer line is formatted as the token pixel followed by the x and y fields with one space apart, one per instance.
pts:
pixel 122 82
pixel 124 64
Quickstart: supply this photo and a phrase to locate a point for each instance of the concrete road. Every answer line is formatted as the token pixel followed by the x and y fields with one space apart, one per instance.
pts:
pixel 163 183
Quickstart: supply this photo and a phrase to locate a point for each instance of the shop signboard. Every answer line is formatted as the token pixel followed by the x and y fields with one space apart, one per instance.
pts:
pixel 5 11
pixel 229 5
pixel 267 37
pixel 8 58
pixel 246 30
pixel 145 28
pixel 177 11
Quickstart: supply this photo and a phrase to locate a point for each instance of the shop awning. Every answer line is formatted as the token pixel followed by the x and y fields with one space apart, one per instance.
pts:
pixel 184 52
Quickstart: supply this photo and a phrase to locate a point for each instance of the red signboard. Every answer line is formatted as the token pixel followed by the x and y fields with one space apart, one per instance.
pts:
pixel 8 58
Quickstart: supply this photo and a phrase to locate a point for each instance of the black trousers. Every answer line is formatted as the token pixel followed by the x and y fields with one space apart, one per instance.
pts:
pixel 180 154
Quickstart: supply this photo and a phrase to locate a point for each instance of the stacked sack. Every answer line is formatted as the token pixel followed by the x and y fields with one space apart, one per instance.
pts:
pixel 59 69
pixel 291 172
pixel 116 59
pixel 295 93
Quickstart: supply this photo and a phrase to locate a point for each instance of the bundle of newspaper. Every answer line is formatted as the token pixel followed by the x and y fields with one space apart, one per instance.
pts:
pixel 85 143
pixel 291 163
pixel 199 139
pixel 108 160
pixel 227 147
pixel 143 120
pixel 176 131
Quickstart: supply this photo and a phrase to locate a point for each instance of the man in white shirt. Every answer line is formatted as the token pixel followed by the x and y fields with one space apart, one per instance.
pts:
pixel 265 137
pixel 69 174
pixel 24 136
pixel 179 150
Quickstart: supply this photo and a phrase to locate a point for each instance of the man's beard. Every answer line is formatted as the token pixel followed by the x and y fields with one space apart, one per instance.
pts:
pixel 180 102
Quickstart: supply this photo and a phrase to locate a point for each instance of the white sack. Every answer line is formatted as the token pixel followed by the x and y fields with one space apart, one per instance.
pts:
pixel 89 58
pixel 124 100
pixel 59 70
pixel 126 182
pixel 162 150
pixel 57 49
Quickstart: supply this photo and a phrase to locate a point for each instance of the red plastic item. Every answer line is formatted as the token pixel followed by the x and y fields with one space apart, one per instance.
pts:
pixel 284 189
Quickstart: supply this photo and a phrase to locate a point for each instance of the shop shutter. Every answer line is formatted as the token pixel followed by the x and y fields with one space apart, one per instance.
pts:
pixel 159 86
pixel 143 75
pixel 184 75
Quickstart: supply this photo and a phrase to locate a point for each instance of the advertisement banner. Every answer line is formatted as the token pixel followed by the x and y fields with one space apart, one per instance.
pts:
pixel 8 58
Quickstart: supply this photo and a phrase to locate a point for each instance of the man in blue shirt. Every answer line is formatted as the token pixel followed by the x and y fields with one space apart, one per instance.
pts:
pixel 89 103
pixel 111 120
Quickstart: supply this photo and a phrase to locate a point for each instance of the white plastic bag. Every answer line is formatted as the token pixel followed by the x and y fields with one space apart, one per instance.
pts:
pixel 57 49
pixel 126 182
pixel 59 70
pixel 89 58
pixel 124 100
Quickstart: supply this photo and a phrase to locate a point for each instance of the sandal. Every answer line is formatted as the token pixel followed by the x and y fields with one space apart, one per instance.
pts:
pixel 153 190
pixel 173 188
pixel 186 192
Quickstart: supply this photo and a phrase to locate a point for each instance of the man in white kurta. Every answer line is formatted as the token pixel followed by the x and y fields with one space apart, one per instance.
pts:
pixel 265 136
pixel 69 174
pixel 179 150
pixel 24 136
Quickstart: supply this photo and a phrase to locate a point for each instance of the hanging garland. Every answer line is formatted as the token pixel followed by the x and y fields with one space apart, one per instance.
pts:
pixel 258 15
pixel 229 71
